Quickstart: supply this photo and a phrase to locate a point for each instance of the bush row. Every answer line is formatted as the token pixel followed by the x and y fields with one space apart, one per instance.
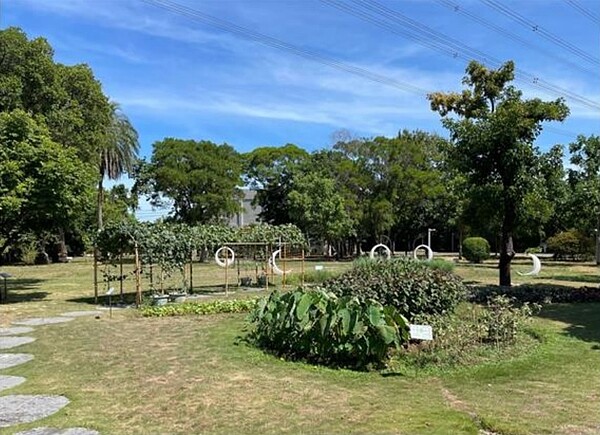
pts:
pixel 538 293
pixel 187 308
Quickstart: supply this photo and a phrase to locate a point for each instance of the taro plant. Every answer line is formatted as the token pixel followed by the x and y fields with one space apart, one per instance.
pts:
pixel 319 327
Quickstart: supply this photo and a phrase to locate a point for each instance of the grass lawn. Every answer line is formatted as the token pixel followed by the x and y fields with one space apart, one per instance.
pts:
pixel 193 374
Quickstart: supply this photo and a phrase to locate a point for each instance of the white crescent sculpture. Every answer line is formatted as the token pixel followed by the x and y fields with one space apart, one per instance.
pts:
pixel 537 266
pixel 427 248
pixel 387 250
pixel 276 269
pixel 228 261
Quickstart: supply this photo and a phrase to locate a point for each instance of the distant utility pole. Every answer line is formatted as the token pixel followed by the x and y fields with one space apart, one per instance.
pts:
pixel 429 231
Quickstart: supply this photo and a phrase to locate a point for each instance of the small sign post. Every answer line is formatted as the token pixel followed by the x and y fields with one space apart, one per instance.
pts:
pixel 109 294
pixel 421 332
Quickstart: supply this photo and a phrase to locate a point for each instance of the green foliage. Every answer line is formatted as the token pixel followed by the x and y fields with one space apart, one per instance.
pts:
pixel 476 249
pixel 441 264
pixel 320 327
pixel 571 245
pixel 410 286
pixel 311 277
pixel 471 334
pixel 199 308
pixel 199 178
pixel 536 293
pixel 534 250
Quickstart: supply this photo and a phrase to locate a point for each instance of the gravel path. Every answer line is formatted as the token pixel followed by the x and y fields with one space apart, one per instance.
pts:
pixel 81 313
pixel 55 431
pixel 37 321
pixel 13 359
pixel 18 408
pixel 7 382
pixel 15 330
pixel 9 342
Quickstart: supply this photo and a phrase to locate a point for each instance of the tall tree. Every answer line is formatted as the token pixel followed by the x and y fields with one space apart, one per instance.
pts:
pixel 493 136
pixel 199 179
pixel 118 154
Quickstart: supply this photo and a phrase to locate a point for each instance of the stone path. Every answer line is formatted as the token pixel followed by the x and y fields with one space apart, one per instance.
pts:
pixel 9 342
pixel 15 330
pixel 7 382
pixel 13 359
pixel 19 408
pixel 54 431
pixel 38 321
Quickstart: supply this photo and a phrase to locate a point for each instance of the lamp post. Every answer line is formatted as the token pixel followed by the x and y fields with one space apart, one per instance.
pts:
pixel 429 231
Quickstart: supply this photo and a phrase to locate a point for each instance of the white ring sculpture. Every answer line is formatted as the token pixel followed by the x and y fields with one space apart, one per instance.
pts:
pixel 228 261
pixel 276 269
pixel 427 248
pixel 388 252
pixel 537 266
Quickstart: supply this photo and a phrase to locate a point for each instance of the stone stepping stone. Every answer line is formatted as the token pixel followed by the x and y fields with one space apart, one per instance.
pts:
pixel 17 409
pixel 81 313
pixel 7 382
pixel 15 330
pixel 13 359
pixel 55 431
pixel 9 342
pixel 38 321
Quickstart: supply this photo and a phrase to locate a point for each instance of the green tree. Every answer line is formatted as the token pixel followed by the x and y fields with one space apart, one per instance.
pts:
pixel 271 171
pixel 199 179
pixel 493 137
pixel 118 154
pixel 44 188
pixel 584 187
pixel 317 208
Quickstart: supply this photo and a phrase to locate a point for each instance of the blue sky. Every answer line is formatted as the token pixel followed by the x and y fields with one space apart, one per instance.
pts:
pixel 179 77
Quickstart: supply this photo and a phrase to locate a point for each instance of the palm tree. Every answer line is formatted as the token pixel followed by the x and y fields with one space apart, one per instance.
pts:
pixel 119 154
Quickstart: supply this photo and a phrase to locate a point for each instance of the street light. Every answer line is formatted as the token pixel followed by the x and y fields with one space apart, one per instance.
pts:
pixel 429 231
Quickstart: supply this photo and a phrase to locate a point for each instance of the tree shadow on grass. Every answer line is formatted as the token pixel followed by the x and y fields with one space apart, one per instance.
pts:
pixel 583 320
pixel 18 290
pixel 577 278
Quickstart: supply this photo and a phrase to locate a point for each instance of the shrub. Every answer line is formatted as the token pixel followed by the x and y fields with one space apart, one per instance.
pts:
pixel 438 263
pixel 571 245
pixel 320 327
pixel 410 286
pixel 196 308
pixel 538 293
pixel 476 249
pixel 310 277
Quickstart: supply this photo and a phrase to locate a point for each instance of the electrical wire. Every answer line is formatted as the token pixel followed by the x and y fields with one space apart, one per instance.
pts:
pixel 287 47
pixel 400 24
pixel 507 34
pixel 583 10
pixel 506 11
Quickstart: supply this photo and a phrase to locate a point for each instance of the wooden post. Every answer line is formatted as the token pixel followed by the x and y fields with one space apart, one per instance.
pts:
pixel 191 272
pixel 283 265
pixel 121 274
pixel 226 272
pixel 95 275
pixel 138 286
pixel 302 279
pixel 267 267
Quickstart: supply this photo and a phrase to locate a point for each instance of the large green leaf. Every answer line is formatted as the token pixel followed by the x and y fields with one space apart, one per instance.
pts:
pixel 303 306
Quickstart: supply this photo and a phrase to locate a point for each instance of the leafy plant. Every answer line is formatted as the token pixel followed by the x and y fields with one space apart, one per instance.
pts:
pixel 320 327
pixel 538 293
pixel 410 286
pixel 440 264
pixel 476 249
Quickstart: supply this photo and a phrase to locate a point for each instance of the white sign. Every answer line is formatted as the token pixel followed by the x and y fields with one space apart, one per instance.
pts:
pixel 110 291
pixel 421 332
pixel 319 267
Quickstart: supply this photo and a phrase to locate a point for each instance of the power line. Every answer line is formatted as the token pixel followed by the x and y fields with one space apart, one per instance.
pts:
pixel 287 47
pixel 507 34
pixel 583 10
pixel 402 25
pixel 504 10
pixel 282 45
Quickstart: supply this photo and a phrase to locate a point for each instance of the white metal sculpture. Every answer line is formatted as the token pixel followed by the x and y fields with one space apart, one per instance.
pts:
pixel 276 269
pixel 228 261
pixel 537 266
pixel 387 250
pixel 427 248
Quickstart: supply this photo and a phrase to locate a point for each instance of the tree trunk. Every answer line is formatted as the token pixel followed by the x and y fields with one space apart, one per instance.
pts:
pixel 100 201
